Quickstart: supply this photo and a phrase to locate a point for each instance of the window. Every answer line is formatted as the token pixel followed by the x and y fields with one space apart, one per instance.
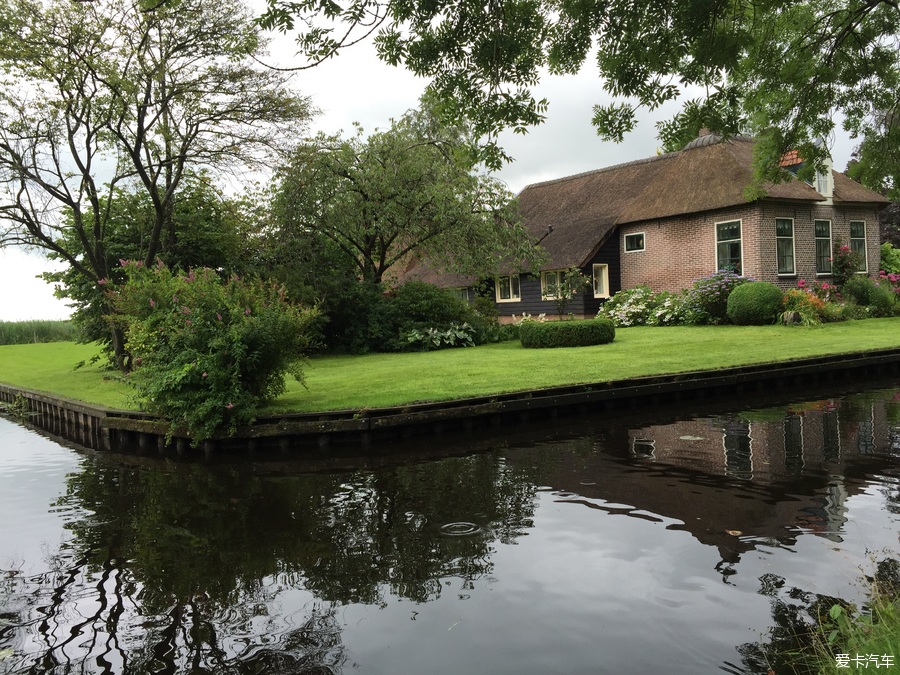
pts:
pixel 728 246
pixel 634 242
pixel 784 245
pixel 552 283
pixel 823 246
pixel 822 183
pixel 508 288
pixel 858 243
pixel 601 281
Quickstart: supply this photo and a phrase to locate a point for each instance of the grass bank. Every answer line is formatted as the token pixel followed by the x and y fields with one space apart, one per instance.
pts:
pixel 378 380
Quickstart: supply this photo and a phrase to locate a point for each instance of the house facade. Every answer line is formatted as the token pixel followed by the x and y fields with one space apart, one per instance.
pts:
pixel 671 219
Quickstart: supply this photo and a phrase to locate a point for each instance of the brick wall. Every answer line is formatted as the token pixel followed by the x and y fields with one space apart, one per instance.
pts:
pixel 681 249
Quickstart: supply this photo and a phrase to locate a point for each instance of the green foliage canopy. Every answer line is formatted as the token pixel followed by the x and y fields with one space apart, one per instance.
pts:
pixel 100 96
pixel 778 69
pixel 413 189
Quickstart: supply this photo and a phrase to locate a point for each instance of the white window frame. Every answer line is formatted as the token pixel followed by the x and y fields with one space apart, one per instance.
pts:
pixel 716 241
pixel 865 246
pixel 793 272
pixel 518 284
pixel 816 239
pixel 643 247
pixel 603 269
pixel 560 278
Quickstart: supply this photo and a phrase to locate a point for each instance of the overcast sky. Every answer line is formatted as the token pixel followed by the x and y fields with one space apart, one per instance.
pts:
pixel 356 87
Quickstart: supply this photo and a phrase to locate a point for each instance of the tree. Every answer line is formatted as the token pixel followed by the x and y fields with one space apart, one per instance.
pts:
pixel 778 69
pixel 100 97
pixel 412 190
pixel 206 229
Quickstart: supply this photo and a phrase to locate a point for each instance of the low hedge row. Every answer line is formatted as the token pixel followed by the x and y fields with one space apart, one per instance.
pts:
pixel 567 333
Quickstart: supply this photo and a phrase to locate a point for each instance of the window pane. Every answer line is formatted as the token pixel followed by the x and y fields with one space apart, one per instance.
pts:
pixel 857 229
pixel 514 286
pixel 634 242
pixel 730 256
pixel 599 281
pixel 823 228
pixel 726 231
pixel 785 256
pixel 784 227
pixel 823 256
pixel 504 288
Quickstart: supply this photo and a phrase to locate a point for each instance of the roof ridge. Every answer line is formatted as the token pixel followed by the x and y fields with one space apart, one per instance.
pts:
pixel 645 160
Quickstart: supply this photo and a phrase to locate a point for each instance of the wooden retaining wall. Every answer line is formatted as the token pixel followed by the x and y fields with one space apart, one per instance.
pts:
pixel 114 430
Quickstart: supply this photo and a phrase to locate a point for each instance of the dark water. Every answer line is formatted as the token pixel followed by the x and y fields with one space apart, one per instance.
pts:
pixel 637 546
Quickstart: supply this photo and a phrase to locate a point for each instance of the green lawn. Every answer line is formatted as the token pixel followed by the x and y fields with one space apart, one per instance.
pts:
pixel 377 380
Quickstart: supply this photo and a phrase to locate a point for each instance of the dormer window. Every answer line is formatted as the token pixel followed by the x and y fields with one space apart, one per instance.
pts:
pixel 822 183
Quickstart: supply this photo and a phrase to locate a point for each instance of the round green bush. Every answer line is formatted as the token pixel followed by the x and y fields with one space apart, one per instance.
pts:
pixel 756 303
pixel 535 334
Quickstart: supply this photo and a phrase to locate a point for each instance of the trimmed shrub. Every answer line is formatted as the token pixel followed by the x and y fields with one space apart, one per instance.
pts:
pixel 756 303
pixel 583 333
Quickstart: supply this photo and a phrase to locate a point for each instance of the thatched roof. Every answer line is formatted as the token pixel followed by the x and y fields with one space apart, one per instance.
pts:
pixel 572 216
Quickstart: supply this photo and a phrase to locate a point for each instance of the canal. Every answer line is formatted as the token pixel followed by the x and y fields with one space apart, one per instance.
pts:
pixel 659 541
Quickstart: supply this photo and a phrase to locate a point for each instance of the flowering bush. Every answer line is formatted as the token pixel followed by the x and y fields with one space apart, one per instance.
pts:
pixel 821 289
pixel 844 263
pixel 709 296
pixel 802 307
pixel 671 310
pixel 207 352
pixel 890 278
pixel 632 307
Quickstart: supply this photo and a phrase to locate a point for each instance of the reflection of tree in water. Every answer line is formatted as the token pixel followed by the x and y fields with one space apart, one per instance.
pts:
pixel 800 617
pixel 208 569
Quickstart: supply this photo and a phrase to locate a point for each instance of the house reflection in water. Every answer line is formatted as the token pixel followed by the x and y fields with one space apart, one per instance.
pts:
pixel 745 479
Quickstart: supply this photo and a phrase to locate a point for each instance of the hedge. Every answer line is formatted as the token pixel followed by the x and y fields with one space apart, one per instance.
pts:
pixel 567 333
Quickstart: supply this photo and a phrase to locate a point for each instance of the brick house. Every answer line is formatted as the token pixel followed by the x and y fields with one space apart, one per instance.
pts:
pixel 668 220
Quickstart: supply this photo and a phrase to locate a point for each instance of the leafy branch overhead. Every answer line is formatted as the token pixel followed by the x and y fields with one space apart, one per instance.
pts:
pixel 778 69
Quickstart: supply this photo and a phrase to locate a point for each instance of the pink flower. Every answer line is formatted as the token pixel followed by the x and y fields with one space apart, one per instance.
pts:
pixel 247 311
pixel 102 282
pixel 187 322
pixel 204 375
pixel 218 316
pixel 230 406
pixel 152 302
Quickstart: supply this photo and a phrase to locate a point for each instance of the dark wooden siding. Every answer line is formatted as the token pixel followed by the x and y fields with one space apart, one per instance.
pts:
pixel 585 303
pixel 608 254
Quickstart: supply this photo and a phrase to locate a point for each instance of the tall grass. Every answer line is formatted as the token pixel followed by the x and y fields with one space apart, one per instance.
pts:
pixel 30 332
